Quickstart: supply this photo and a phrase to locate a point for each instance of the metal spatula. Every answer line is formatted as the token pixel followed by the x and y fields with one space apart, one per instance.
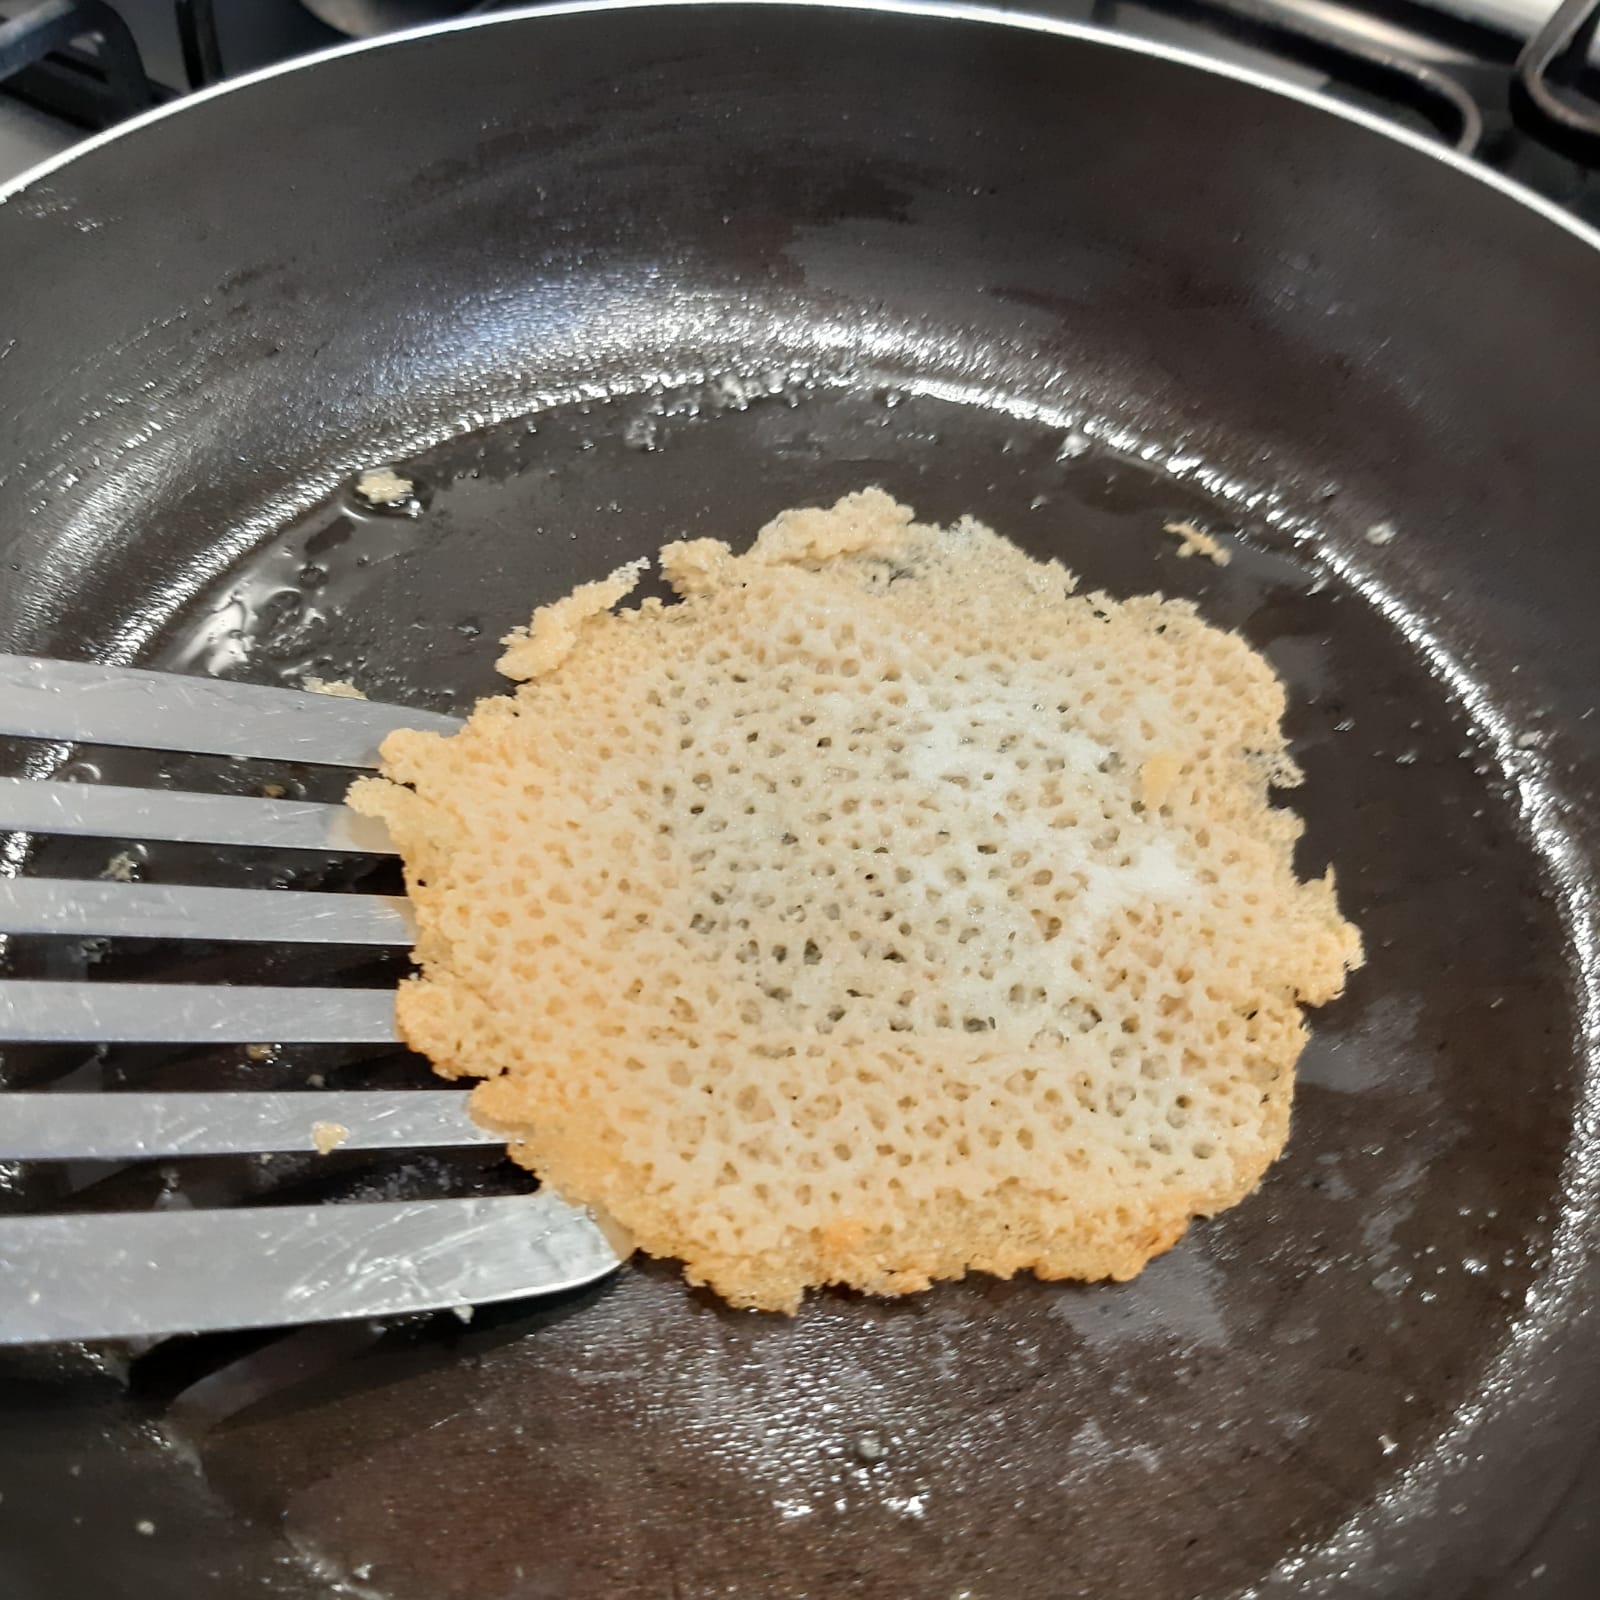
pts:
pixel 126 1274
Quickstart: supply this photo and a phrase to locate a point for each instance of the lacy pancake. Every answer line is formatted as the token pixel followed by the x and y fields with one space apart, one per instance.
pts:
pixel 884 910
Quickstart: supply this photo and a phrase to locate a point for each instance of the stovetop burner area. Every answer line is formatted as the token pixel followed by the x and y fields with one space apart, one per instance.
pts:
pixel 1515 83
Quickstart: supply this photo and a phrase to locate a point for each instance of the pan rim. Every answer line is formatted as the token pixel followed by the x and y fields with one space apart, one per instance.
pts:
pixel 943 10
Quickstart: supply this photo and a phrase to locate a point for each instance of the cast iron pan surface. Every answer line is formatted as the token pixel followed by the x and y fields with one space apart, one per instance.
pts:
pixel 605 277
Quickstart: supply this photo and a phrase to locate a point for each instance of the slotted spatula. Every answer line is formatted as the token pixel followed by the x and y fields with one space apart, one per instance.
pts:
pixel 144 1274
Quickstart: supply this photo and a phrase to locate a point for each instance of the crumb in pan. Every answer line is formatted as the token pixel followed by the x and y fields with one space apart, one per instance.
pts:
pixel 1193 541
pixel 383 486
pixel 326 1137
pixel 339 688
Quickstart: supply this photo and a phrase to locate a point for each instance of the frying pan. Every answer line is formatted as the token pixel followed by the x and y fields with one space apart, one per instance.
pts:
pixel 606 275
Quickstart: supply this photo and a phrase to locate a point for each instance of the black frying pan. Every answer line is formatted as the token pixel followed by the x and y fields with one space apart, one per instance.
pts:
pixel 604 276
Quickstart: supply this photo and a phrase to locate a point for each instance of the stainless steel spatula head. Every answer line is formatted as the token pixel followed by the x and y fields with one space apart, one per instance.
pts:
pixel 96 1274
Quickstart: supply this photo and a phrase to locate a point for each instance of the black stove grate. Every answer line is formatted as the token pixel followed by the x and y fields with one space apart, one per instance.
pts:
pixel 75 58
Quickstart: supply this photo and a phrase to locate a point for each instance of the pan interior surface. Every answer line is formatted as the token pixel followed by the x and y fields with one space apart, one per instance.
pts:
pixel 574 353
